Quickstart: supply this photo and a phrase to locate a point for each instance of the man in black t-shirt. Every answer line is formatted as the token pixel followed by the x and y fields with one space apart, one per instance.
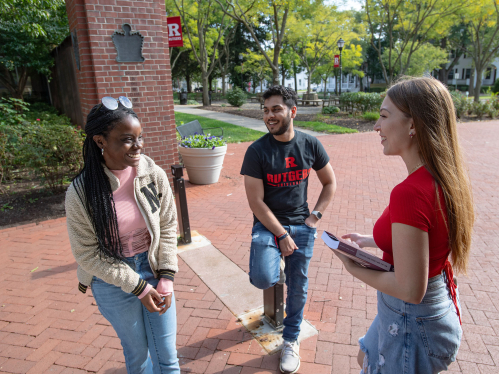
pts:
pixel 276 171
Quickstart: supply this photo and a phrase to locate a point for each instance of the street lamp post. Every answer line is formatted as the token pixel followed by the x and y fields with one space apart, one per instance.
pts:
pixel 341 43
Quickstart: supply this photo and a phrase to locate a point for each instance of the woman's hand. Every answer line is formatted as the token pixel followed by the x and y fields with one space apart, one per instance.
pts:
pixel 347 261
pixel 361 240
pixel 153 302
pixel 167 301
pixel 165 289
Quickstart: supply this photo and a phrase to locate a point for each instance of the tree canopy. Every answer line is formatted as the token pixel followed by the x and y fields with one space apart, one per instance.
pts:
pixel 481 20
pixel 315 31
pixel 406 26
pixel 29 30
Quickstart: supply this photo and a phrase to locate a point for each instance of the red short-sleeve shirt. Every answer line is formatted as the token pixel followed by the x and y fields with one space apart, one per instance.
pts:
pixel 414 202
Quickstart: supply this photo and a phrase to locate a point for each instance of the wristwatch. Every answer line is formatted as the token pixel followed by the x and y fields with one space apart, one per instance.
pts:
pixel 317 214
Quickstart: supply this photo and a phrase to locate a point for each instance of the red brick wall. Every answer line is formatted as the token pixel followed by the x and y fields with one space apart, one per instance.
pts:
pixel 147 84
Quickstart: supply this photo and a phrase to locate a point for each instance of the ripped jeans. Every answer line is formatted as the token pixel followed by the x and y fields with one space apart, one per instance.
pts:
pixel 410 338
pixel 265 259
pixel 148 339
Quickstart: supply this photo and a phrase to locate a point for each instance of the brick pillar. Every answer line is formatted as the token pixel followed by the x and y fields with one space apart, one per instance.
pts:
pixel 147 84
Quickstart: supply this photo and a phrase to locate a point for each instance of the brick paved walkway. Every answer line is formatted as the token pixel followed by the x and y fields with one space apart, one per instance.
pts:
pixel 47 326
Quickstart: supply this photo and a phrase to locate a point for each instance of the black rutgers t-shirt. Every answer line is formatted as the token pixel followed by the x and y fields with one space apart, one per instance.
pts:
pixel 284 168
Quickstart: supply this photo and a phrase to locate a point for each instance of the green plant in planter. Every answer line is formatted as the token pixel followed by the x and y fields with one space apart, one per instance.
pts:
pixel 202 141
pixel 202 156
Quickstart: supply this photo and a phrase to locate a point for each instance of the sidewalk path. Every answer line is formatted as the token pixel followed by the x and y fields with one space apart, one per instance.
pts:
pixel 251 123
pixel 47 326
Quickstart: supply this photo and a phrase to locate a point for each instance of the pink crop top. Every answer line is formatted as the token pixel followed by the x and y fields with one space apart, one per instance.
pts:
pixel 134 234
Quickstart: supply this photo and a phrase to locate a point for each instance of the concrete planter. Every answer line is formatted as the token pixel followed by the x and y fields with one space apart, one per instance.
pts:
pixel 203 164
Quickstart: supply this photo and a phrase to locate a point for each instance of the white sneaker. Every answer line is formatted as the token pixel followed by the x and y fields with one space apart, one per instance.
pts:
pixel 282 275
pixel 290 357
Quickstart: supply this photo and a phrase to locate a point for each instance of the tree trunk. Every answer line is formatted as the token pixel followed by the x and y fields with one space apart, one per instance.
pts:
pixel 308 83
pixel 205 80
pixel 478 84
pixel 275 76
pixel 21 83
pixel 471 88
pixel 283 74
pixel 294 75
pixel 325 87
pixel 223 83
pixel 188 82
pixel 442 75
pixel 15 86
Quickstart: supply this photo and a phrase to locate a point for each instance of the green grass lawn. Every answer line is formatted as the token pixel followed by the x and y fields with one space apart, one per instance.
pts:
pixel 324 127
pixel 232 133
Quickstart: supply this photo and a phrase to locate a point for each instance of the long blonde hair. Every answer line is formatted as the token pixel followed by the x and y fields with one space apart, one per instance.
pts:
pixel 428 102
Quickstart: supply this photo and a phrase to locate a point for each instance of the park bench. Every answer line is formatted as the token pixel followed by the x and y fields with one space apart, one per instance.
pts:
pixel 316 102
pixel 257 98
pixel 331 101
pixel 194 128
pixel 308 99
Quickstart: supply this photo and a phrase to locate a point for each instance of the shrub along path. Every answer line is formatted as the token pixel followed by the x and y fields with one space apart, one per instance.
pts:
pixel 47 326
pixel 206 115
pixel 304 114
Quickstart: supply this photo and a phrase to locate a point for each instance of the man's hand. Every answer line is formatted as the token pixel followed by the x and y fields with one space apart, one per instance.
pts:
pixel 153 302
pixel 311 221
pixel 287 246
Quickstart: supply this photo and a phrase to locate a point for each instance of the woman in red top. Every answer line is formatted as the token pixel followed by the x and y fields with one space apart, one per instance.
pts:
pixel 429 219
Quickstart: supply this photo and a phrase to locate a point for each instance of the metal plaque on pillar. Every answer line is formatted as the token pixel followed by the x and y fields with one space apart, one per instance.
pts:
pixel 128 44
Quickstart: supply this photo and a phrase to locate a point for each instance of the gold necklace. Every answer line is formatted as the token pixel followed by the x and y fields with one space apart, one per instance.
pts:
pixel 417 167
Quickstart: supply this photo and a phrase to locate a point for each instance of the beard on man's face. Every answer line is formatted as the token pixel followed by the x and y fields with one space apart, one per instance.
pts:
pixel 286 122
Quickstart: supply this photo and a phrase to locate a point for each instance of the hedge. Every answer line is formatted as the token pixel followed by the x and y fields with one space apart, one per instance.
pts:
pixel 42 142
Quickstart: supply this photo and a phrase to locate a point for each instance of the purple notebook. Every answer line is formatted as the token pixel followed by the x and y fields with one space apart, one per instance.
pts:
pixel 360 256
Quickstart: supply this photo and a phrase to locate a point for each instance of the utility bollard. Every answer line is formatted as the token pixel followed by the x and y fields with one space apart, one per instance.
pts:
pixel 181 203
pixel 273 305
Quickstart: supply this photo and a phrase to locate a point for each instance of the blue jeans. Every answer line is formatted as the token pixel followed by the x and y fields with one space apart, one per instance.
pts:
pixel 265 258
pixel 148 339
pixel 413 338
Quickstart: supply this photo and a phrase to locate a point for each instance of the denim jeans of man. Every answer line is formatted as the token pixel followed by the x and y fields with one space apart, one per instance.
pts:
pixel 148 339
pixel 265 258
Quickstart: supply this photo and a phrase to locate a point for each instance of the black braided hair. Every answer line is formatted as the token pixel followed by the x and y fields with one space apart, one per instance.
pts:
pixel 288 95
pixel 92 184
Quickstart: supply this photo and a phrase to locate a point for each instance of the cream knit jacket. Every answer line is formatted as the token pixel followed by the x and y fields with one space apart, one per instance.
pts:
pixel 156 202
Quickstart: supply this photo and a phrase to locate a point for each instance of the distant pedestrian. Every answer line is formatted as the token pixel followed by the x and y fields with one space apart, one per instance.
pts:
pixel 429 219
pixel 122 225
pixel 276 171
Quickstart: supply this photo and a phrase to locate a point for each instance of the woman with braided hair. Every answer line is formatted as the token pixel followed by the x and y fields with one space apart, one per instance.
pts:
pixel 122 225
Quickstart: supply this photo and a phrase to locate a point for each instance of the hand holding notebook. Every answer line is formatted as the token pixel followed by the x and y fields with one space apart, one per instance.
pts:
pixel 355 253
